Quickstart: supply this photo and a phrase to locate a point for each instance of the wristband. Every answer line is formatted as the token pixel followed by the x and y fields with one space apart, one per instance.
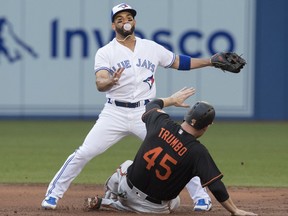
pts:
pixel 184 62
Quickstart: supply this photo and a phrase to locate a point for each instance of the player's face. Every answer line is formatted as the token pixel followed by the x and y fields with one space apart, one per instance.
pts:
pixel 121 19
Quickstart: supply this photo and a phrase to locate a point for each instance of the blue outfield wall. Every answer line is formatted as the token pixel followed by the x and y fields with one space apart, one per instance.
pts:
pixel 271 58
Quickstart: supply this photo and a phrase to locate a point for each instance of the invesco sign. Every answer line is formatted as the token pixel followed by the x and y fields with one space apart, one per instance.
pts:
pixel 198 36
pixel 161 36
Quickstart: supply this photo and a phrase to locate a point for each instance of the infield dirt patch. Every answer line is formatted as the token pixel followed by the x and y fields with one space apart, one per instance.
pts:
pixel 23 199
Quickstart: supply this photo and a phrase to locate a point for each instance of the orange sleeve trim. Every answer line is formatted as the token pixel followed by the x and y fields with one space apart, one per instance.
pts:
pixel 212 180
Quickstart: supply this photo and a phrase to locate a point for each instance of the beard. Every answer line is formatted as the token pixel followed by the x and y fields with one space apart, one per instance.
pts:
pixel 123 32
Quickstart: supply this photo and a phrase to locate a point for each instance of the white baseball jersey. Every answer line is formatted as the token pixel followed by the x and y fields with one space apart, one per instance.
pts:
pixel 137 81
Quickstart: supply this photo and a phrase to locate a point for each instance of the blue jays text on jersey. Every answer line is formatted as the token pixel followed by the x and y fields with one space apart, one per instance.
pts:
pixel 144 63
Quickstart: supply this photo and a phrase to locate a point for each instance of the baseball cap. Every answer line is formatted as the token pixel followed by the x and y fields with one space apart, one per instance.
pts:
pixel 122 7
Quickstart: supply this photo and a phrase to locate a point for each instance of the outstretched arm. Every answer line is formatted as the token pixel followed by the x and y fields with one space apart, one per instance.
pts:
pixel 220 192
pixel 190 63
pixel 226 61
pixel 178 98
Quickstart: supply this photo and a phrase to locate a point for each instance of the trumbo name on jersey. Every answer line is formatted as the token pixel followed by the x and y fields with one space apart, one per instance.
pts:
pixel 173 141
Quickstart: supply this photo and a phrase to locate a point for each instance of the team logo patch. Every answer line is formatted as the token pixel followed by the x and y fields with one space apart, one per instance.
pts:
pixel 150 81
pixel 123 6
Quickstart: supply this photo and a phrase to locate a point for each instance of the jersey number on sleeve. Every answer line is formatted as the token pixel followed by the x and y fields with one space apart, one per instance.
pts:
pixel 150 157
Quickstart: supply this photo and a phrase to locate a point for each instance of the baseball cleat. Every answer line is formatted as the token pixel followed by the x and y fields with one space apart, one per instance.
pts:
pixel 93 203
pixel 49 203
pixel 203 205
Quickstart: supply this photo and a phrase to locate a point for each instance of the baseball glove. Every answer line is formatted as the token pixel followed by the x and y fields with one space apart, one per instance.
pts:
pixel 228 61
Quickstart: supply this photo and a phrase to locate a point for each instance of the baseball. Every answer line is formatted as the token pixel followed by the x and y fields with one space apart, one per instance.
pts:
pixel 127 26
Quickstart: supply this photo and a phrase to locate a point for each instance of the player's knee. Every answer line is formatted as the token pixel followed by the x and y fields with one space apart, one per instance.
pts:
pixel 174 204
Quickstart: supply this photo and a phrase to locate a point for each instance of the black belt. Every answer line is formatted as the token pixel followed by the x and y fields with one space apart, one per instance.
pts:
pixel 151 199
pixel 127 104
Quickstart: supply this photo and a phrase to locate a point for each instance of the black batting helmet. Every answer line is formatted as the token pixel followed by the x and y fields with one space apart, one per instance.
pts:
pixel 200 115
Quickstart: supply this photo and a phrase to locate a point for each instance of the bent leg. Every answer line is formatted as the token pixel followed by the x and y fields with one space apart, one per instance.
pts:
pixel 196 191
pixel 199 195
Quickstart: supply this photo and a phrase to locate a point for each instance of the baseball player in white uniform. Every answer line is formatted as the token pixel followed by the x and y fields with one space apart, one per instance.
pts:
pixel 125 69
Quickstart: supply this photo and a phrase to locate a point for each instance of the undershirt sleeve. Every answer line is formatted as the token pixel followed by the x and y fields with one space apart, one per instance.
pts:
pixel 219 191
pixel 156 103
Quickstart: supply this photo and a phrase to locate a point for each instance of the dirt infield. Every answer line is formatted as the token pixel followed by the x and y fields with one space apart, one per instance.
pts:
pixel 26 200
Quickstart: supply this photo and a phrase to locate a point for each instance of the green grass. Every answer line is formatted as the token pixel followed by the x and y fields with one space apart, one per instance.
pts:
pixel 248 153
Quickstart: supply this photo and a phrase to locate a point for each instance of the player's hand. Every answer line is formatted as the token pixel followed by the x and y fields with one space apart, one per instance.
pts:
pixel 116 75
pixel 180 96
pixel 240 212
